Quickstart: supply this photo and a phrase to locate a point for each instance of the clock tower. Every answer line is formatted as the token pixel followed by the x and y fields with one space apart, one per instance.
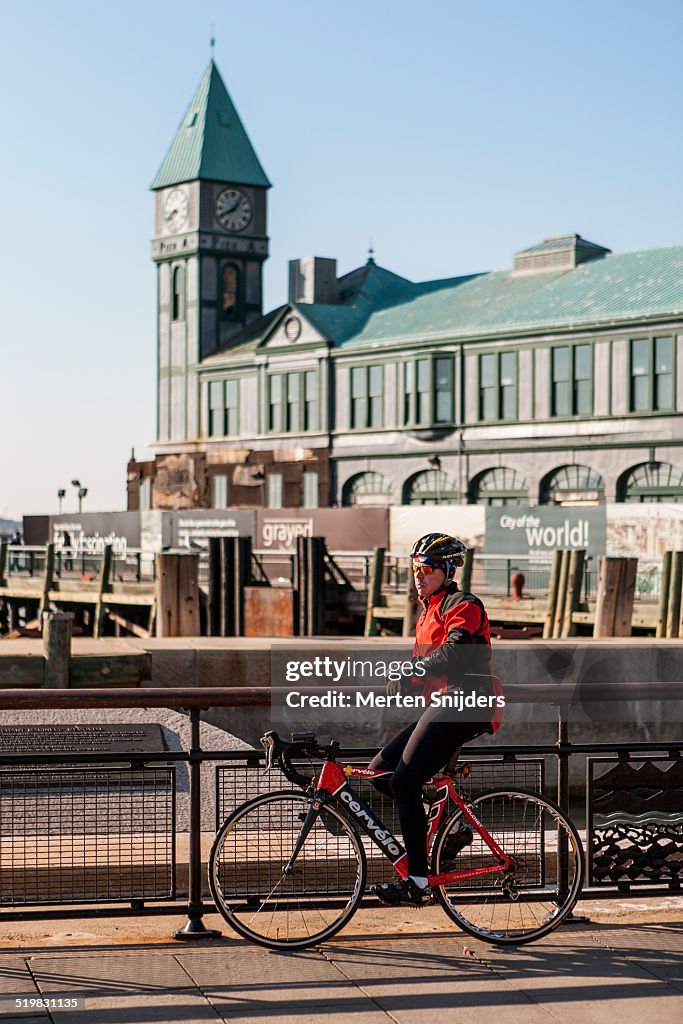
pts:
pixel 209 246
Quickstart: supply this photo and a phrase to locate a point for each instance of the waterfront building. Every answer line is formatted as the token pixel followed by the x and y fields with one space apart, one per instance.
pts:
pixel 555 380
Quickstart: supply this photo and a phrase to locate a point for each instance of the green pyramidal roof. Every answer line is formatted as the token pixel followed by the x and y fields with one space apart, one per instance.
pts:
pixel 211 142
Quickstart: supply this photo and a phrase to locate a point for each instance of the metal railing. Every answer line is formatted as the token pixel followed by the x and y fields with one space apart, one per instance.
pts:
pixel 53 856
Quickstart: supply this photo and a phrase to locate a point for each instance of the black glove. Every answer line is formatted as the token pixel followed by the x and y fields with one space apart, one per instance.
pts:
pixel 396 686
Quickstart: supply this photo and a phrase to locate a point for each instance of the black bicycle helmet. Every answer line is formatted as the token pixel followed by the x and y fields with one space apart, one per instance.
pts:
pixel 441 547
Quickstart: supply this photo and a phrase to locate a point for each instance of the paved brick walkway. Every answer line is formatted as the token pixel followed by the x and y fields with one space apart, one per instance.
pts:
pixel 590 973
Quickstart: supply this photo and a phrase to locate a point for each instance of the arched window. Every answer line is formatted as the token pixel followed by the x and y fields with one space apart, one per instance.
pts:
pixel 432 487
pixel 572 485
pixel 178 302
pixel 651 481
pixel 500 486
pixel 367 489
pixel 230 291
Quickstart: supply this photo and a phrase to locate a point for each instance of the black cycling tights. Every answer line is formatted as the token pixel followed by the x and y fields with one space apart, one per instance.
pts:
pixel 418 752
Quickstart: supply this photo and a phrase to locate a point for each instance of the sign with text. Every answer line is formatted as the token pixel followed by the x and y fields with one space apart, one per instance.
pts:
pixel 87 533
pixel 193 528
pixel 344 529
pixel 539 531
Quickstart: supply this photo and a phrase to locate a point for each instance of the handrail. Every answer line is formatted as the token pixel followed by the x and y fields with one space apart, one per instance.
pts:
pixel 254 696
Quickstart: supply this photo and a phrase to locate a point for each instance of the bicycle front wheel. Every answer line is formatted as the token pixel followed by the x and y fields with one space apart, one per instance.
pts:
pixel 532 899
pixel 286 910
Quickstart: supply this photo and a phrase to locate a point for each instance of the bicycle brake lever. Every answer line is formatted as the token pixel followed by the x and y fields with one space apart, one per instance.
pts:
pixel 269 748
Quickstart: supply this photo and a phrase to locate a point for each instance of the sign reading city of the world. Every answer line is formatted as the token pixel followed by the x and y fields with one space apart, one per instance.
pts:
pixel 538 532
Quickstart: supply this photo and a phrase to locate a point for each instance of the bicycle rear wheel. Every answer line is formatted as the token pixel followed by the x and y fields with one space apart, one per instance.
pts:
pixel 286 911
pixel 530 901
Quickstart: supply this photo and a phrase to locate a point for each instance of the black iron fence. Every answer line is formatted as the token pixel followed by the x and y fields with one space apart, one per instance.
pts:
pixel 102 827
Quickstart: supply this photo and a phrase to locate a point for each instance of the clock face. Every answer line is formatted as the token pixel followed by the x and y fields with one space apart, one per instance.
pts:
pixel 175 209
pixel 233 209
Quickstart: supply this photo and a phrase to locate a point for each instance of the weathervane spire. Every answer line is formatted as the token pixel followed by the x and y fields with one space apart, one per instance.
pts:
pixel 212 40
pixel 371 253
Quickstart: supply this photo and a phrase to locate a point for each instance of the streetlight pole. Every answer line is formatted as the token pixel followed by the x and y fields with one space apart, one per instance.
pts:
pixel 82 491
pixel 61 494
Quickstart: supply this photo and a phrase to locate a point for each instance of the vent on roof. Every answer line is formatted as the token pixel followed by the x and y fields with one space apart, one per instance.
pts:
pixel 560 253
pixel 313 279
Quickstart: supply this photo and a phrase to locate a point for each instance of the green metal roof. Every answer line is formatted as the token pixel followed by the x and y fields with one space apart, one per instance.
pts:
pixel 377 308
pixel 613 288
pixel 211 142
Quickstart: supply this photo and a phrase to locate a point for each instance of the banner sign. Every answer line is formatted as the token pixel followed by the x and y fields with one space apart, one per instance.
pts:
pixel 539 531
pixel 87 533
pixel 344 529
pixel 408 522
pixel 193 528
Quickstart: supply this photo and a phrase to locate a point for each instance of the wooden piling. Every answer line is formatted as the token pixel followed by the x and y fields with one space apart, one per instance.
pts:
pixel 57 631
pixel 616 591
pixel 606 601
pixel 4 544
pixel 577 559
pixel 411 608
pixel 664 594
pixel 374 591
pixel 213 619
pixel 104 587
pixel 552 595
pixel 466 571
pixel 674 612
pixel 623 612
pixel 177 594
pixel 561 595
pixel 236 574
pixel 48 578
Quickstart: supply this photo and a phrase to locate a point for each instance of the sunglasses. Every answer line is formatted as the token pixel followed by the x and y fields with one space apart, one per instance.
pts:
pixel 426 568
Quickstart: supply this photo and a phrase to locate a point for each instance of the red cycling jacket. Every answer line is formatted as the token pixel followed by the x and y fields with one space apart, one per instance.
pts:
pixel 453 638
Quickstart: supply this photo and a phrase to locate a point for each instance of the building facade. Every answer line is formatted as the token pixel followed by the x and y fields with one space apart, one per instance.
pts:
pixel 558 380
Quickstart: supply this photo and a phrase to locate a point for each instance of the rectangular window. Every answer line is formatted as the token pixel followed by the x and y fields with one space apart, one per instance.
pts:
pixel 572 380
pixel 274 490
pixel 309 490
pixel 640 375
pixel 561 405
pixel 231 421
pixel 498 386
pixel 443 390
pixel 293 402
pixel 376 395
pixel 216 408
pixel 311 414
pixel 652 374
pixel 428 391
pixel 145 493
pixel 219 491
pixel 359 396
pixel 583 380
pixel 408 391
pixel 275 403
pixel 663 373
pixel 508 385
pixel 488 387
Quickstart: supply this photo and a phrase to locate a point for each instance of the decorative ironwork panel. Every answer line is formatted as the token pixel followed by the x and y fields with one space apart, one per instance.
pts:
pixel 635 820
pixel 87 835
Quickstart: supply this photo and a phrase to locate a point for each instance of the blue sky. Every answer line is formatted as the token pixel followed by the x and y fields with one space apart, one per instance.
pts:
pixel 452 134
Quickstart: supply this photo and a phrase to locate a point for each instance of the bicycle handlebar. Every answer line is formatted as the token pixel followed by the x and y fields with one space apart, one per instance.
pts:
pixel 280 752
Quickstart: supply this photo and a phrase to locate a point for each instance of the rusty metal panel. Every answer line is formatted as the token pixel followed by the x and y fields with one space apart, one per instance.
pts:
pixel 268 611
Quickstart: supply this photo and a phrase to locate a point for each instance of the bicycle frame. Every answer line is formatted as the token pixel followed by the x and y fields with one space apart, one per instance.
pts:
pixel 333 782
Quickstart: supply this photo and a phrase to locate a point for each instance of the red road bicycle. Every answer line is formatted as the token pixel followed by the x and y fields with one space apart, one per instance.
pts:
pixel 288 869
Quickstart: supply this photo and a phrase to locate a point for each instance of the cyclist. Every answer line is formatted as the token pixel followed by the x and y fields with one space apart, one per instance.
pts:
pixel 452 638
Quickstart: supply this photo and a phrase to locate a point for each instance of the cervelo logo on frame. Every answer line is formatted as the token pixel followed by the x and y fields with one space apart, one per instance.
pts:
pixel 383 837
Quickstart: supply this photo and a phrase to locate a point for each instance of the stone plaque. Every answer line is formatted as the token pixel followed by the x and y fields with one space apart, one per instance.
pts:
pixel 128 738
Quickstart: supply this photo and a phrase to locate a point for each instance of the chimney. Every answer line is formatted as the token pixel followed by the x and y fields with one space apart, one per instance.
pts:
pixel 313 279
